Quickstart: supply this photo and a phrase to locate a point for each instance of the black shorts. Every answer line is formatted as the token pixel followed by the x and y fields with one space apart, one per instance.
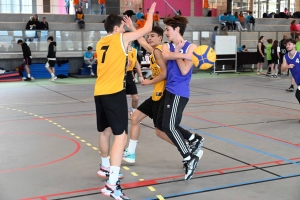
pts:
pixel 112 111
pixel 297 94
pixel 154 110
pixel 130 84
pixel 260 59
pixel 51 63
pixel 27 61
pixel 281 58
pixel 270 62
pixel 275 61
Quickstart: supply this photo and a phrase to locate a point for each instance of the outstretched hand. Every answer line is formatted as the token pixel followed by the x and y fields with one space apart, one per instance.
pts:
pixel 128 22
pixel 152 8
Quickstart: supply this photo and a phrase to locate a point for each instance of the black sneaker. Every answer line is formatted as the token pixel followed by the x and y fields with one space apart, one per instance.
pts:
pixel 190 167
pixel 290 89
pixel 27 79
pixel 196 144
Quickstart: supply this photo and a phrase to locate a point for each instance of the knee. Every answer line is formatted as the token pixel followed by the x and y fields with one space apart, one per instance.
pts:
pixel 135 119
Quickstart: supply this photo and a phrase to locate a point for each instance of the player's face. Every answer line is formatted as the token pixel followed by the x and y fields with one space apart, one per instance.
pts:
pixel 290 46
pixel 153 39
pixel 170 33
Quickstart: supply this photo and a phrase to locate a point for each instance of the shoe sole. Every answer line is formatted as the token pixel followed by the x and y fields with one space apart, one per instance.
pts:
pixel 191 174
pixel 129 160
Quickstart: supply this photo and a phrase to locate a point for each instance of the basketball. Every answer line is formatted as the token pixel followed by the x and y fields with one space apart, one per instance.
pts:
pixel 204 57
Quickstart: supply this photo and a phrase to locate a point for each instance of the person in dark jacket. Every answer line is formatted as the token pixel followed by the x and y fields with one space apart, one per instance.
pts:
pixel 44 24
pixel 33 23
pixel 26 58
pixel 79 18
pixel 51 58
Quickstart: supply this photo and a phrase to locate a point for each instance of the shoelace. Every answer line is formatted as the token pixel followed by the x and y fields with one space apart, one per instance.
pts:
pixel 126 153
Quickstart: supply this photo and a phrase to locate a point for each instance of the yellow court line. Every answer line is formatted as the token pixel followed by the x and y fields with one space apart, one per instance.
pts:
pixel 134 174
pixel 95 148
pixel 126 168
pixel 88 144
pixel 72 134
pixel 68 131
pixel 151 189
pixel 63 128
pixel 82 140
pixel 77 137
pixel 160 197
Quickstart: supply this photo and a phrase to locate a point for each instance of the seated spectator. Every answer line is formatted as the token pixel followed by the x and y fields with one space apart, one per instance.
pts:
pixel 140 23
pixel 294 29
pixel 222 19
pixel 250 21
pixel 33 23
pixel 238 23
pixel 230 21
pixel 146 14
pixel 89 59
pixel 79 18
pixel 241 19
pixel 44 24
pixel 242 49
pixel 156 18
pixel 139 14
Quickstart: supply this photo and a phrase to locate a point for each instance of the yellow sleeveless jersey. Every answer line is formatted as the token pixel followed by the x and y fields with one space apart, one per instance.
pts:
pixel 111 68
pixel 155 68
pixel 132 57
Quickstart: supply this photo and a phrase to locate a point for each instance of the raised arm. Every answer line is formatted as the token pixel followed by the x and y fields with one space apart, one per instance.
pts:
pixel 184 64
pixel 168 55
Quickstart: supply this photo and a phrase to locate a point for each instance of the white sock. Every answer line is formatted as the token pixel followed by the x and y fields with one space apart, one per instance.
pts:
pixel 132 146
pixel 260 69
pixel 52 74
pixel 187 158
pixel 192 137
pixel 113 174
pixel 105 162
pixel 133 109
pixel 28 75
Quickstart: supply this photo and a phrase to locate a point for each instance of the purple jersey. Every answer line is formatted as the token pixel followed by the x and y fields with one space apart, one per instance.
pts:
pixel 296 69
pixel 177 83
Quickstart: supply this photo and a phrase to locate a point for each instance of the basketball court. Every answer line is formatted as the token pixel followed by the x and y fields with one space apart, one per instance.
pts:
pixel 49 142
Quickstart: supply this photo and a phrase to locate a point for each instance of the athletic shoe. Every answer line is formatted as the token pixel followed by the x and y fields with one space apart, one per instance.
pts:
pixel 27 79
pixel 89 66
pixel 190 167
pixel 128 157
pixel 196 144
pixel 290 89
pixel 53 78
pixel 274 76
pixel 104 172
pixel 114 191
pixel 269 74
pixel 92 74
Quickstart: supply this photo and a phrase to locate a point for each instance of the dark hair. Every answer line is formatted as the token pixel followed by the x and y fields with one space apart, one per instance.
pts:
pixel 291 40
pixel 216 28
pixel 20 41
pixel 225 13
pixel 143 17
pixel 111 21
pixel 275 44
pixel 50 38
pixel 250 12
pixel 260 38
pixel 236 14
pixel 89 48
pixel 44 18
pixel 158 30
pixel 244 46
pixel 270 40
pixel 293 21
pixel 177 21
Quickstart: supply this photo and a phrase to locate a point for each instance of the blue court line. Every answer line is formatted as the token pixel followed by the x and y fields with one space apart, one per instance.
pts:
pixel 225 186
pixel 243 146
pixel 244 132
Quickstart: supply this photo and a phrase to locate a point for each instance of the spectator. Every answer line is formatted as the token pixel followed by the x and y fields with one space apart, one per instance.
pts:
pixel 294 29
pixel 33 23
pixel 286 11
pixel 282 53
pixel 140 23
pixel 250 21
pixel 75 5
pixel 129 13
pixel 67 5
pixel 139 14
pixel 51 58
pixel 230 21
pixel 213 37
pixel 222 19
pixel 89 59
pixel 26 58
pixel 237 22
pixel 79 18
pixel 298 26
pixel 83 5
pixel 102 4
pixel 242 49
pixel 242 19
pixel 205 6
pixel 146 14
pixel 269 57
pixel 298 44
pixel 44 24
pixel 275 50
pixel 260 55
pixel 156 18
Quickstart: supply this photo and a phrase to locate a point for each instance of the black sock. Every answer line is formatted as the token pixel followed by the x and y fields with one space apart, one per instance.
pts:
pixel 292 86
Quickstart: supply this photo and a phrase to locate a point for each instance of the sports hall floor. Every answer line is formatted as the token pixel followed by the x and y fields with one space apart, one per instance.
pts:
pixel 49 143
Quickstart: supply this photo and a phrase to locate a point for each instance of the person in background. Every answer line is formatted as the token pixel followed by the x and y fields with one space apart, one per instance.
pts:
pixel 275 50
pixel 222 19
pixel 260 55
pixel 237 22
pixel 269 58
pixel 89 59
pixel 26 58
pixel 213 37
pixel 67 5
pixel 147 14
pixel 102 4
pixel 242 49
pixel 44 24
pixel 294 29
pixel 139 14
pixel 242 19
pixel 298 44
pixel 282 53
pixel 250 21
pixel 230 21
pixel 205 6
pixel 75 5
pixel 140 23
pixel 156 19
pixel 79 18
pixel 33 23
pixel 51 58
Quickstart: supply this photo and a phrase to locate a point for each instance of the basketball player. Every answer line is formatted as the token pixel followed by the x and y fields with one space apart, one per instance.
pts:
pixel 178 54
pixel 291 61
pixel 110 96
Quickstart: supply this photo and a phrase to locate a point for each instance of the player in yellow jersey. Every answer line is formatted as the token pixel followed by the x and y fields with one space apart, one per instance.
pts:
pixel 130 83
pixel 110 96
pixel 152 106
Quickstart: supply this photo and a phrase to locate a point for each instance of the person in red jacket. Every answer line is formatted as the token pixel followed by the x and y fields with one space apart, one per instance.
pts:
pixel 294 29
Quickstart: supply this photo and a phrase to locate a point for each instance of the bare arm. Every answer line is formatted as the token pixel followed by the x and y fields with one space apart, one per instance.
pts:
pixel 259 49
pixel 138 69
pixel 186 65
pixel 285 66
pixel 168 55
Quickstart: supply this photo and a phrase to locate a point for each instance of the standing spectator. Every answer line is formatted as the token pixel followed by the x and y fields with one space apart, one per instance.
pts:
pixel 140 23
pixel 230 21
pixel 67 5
pixel 275 50
pixel 205 6
pixel 298 44
pixel 139 14
pixel 26 58
pixel 294 29
pixel 242 19
pixel 250 21
pixel 222 19
pixel 51 58
pixel 260 55
pixel 156 18
pixel 75 5
pixel 282 53
pixel 102 6
pixel 44 24
pixel 79 18
pixel 33 23
pixel 213 37
pixel 147 14
pixel 269 57
pixel 237 22
pixel 89 59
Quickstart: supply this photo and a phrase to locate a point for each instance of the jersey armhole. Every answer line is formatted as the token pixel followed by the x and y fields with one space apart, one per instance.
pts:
pixel 122 44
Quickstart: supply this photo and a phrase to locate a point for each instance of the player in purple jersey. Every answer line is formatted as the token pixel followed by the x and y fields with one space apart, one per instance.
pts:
pixel 178 54
pixel 291 61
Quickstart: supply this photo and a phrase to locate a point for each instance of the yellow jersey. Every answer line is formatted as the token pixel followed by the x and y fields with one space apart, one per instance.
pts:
pixel 132 57
pixel 111 67
pixel 156 70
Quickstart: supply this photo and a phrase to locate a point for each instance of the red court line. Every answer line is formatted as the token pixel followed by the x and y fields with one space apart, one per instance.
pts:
pixel 155 180
pixel 236 128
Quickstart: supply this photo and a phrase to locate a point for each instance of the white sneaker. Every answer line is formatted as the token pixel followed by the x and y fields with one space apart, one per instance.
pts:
pixel 92 74
pixel 89 66
pixel 53 78
pixel 32 78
